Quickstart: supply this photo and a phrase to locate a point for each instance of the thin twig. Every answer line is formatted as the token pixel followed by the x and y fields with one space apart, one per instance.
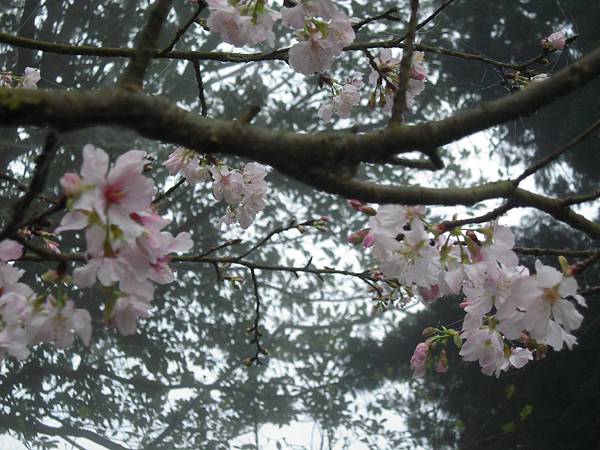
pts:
pixel 577 199
pixel 181 31
pixel 163 195
pixel 255 329
pixel 36 186
pixel 201 96
pixel 400 96
pixel 558 153
pixel 536 251
pixel 493 214
pixel 23 187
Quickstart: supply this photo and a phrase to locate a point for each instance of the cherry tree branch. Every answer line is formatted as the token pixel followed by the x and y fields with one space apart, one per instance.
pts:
pixel 200 83
pixel 559 152
pixel 133 77
pixel 36 186
pixel 181 31
pixel 400 96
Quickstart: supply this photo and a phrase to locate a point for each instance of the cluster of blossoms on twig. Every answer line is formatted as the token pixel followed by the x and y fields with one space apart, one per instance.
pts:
pixel 385 75
pixel 29 80
pixel 511 314
pixel 244 191
pixel 127 251
pixel 518 80
pixel 27 318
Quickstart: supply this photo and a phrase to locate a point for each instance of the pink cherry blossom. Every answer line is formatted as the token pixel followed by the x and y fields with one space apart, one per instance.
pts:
pixel 342 103
pixel 31 78
pixel 556 41
pixel 312 55
pixel 227 184
pixel 125 312
pixel 189 163
pixel 418 361
pixel 59 323
pixel 13 341
pixel 10 250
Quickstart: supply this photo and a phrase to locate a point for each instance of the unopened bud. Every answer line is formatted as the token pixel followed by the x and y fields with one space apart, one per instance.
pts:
pixel 357 237
pixel 355 204
pixel 429 331
pixel 368 210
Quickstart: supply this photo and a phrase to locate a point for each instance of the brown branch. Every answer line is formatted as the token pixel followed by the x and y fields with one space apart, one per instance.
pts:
pixel 181 31
pixel 535 251
pixel 577 199
pixel 492 215
pixel 36 186
pixel 384 15
pixel 233 57
pixel 400 96
pixel 558 153
pixel 133 77
pixel 201 96
pixel 255 330
pixel 23 187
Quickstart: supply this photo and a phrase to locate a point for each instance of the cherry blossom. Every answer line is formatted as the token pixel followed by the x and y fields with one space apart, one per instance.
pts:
pixel 189 163
pixel 31 78
pixel 324 32
pixel 556 41
pixel 10 250
pixel 344 99
pixel 242 23
pixel 418 361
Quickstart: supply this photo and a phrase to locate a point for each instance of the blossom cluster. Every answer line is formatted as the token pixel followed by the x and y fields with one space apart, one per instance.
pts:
pixel 323 30
pixel 127 250
pixel 27 319
pixel 244 191
pixel 385 75
pixel 29 80
pixel 511 315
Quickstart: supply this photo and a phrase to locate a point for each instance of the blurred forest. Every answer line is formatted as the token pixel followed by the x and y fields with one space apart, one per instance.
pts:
pixel 334 362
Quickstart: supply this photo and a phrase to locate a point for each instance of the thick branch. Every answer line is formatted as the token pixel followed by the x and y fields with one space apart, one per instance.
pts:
pixel 133 78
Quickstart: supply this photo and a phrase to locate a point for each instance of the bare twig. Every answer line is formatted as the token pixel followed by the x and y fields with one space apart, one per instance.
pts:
pixel 181 31
pixel 36 186
pixel 254 329
pixel 537 251
pixel 558 153
pixel 201 96
pixel 493 214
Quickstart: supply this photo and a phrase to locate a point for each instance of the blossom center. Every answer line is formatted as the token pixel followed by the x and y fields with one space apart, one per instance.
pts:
pixel 551 295
pixel 113 194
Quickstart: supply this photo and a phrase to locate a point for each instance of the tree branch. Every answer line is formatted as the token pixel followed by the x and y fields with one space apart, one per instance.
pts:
pixel 400 96
pixel 133 77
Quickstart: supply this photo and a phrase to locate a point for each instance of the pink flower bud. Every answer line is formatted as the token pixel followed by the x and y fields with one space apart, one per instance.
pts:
pixel 357 237
pixel 442 364
pixel 419 358
pixel 556 41
pixel 71 184
pixel 355 204
pixel 430 294
pixel 369 240
pixel 368 210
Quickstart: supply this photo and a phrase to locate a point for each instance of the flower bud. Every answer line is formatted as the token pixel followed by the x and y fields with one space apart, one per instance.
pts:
pixel 357 237
pixel 71 184
pixel 368 210
pixel 429 331
pixel 355 204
